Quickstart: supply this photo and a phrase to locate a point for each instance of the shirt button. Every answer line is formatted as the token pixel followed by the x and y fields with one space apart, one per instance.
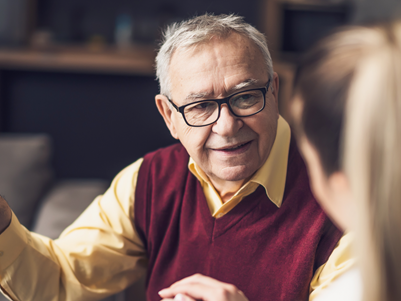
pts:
pixel 1 253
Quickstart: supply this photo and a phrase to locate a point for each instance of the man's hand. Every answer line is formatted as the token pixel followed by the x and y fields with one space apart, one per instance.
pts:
pixel 199 287
pixel 5 214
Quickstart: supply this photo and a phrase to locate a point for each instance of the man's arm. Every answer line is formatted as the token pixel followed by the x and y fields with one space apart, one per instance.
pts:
pixel 5 214
pixel 98 255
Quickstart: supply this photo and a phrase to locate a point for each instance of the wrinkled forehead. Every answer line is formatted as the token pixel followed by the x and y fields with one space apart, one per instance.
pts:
pixel 216 65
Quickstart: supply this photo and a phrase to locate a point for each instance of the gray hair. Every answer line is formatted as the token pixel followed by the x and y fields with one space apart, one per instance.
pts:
pixel 199 30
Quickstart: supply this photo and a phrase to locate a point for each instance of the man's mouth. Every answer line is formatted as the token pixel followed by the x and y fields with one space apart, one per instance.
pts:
pixel 234 147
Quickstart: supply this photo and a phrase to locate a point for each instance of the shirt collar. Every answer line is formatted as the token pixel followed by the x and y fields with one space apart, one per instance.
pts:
pixel 272 175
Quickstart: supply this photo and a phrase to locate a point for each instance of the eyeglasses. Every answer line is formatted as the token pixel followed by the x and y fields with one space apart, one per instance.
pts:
pixel 241 104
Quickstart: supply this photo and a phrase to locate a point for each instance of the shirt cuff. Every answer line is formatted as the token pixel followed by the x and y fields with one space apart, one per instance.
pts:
pixel 12 242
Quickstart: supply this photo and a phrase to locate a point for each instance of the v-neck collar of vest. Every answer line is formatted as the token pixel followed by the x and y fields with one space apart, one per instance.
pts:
pixel 218 227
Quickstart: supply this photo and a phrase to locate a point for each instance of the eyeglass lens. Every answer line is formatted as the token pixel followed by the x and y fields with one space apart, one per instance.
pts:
pixel 242 104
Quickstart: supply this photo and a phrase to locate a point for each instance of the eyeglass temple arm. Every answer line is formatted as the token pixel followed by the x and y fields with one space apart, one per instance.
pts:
pixel 172 103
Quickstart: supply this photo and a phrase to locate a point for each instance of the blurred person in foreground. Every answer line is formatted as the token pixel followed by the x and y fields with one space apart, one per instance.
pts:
pixel 361 70
pixel 230 201
pixel 372 160
pixel 346 114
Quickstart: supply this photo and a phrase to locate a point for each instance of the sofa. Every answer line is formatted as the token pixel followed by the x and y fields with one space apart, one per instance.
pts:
pixel 43 203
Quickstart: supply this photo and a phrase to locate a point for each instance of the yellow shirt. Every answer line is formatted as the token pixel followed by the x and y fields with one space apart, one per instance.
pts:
pixel 101 254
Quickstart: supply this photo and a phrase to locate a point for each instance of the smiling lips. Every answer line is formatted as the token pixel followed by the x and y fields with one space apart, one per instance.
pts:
pixel 235 148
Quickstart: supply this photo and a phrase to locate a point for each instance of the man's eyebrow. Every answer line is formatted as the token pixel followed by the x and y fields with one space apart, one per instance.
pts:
pixel 202 95
pixel 245 84
pixel 195 96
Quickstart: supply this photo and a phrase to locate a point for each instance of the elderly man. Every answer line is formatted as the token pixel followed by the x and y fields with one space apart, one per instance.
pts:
pixel 231 201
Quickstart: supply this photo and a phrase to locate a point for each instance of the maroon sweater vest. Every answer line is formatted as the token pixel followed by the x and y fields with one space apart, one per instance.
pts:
pixel 269 253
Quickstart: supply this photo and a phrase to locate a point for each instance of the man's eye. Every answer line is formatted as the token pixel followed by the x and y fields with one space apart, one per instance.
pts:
pixel 245 96
pixel 202 106
pixel 244 99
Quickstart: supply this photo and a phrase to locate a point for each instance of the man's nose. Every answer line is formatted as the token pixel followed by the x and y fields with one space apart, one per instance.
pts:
pixel 227 125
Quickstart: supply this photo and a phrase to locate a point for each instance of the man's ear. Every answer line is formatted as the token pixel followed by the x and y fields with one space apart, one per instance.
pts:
pixel 275 85
pixel 166 112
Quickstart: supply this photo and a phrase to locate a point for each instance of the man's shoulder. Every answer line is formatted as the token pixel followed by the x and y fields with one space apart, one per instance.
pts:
pixel 166 161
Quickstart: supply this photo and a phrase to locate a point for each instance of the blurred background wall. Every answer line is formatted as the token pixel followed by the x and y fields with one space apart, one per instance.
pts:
pixel 82 70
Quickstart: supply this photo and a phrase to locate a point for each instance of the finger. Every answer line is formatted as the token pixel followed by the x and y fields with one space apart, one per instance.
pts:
pixel 182 297
pixel 193 290
pixel 191 279
pixel 179 297
pixel 201 279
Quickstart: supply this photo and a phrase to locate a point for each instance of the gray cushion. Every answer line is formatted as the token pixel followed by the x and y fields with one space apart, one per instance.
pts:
pixel 64 203
pixel 25 172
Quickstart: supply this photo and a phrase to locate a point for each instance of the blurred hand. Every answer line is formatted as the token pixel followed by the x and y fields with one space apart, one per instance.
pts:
pixel 5 214
pixel 199 287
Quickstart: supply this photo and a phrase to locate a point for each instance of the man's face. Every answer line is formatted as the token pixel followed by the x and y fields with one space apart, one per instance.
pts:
pixel 232 148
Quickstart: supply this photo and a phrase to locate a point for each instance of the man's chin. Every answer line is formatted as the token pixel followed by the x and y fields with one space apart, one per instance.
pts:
pixel 234 173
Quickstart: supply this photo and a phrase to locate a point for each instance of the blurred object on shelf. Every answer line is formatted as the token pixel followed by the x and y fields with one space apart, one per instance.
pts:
pixel 124 31
pixel 96 43
pixel 41 39
pixel 16 18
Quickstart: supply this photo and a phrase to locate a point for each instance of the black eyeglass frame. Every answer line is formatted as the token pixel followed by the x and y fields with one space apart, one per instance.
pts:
pixel 220 102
